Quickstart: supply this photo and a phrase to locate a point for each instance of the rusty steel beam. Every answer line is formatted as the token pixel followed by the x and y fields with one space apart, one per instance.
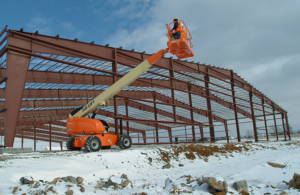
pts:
pixel 208 99
pixel 155 116
pixel 35 93
pixel 126 109
pixel 3 40
pixel 42 135
pixel 253 118
pixel 50 137
pixel 46 132
pixel 115 70
pixel 57 140
pixel 110 114
pixel 34 139
pixel 226 131
pixel 16 71
pixel 275 125
pixel 283 126
pixel 171 72
pixel 59 123
pixel 235 108
pixel 22 140
pixel 43 119
pixel 3 30
pixel 163 122
pixel 43 112
pixel 191 113
pixel 3 79
pixel 287 125
pixel 45 103
pixel 3 51
pixel 265 120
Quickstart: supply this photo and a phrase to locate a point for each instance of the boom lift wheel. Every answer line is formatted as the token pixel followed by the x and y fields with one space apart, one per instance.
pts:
pixel 93 144
pixel 69 144
pixel 124 142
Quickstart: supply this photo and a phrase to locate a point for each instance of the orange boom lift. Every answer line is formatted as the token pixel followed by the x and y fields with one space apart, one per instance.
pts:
pixel 92 133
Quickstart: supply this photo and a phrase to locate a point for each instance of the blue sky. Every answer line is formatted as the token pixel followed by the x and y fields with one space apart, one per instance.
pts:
pixel 259 40
pixel 85 20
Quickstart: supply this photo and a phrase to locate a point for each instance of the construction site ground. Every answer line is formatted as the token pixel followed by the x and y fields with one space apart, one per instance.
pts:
pixel 151 168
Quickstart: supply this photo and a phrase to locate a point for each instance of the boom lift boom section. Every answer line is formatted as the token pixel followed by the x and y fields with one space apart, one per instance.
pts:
pixel 126 80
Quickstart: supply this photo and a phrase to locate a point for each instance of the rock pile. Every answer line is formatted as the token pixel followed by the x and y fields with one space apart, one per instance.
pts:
pixel 28 180
pixel 115 182
pixel 241 186
pixel 214 185
pixel 295 182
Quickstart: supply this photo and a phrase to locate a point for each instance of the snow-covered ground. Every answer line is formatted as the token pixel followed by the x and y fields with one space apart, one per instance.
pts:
pixel 143 167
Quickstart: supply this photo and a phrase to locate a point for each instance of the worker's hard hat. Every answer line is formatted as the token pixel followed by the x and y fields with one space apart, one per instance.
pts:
pixel 175 18
pixel 182 25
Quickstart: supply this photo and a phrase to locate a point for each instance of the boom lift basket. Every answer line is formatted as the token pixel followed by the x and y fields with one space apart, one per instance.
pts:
pixel 181 47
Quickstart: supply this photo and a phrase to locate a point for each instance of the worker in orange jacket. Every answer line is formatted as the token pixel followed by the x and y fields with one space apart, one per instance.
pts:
pixel 177 28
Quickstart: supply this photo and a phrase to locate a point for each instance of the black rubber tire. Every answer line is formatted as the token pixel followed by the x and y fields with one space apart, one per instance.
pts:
pixel 93 144
pixel 124 142
pixel 69 144
pixel 106 147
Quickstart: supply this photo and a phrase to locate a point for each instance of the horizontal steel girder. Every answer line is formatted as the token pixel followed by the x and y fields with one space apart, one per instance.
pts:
pixel 61 93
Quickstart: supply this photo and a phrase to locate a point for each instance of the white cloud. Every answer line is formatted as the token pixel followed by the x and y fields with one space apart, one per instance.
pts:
pixel 67 26
pixel 257 39
pixel 39 23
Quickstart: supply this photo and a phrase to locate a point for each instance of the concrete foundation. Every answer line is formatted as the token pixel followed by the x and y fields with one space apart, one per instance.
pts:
pixel 15 150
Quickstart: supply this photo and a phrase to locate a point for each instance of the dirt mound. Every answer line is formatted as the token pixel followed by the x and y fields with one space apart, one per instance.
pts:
pixel 190 151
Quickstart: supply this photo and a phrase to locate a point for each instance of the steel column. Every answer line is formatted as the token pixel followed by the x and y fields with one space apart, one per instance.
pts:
pixel 226 131
pixel 191 113
pixel 115 69
pixel 201 132
pixel 283 126
pixel 155 116
pixel 144 136
pixel 172 90
pixel 263 107
pixel 61 145
pixel 287 126
pixel 22 140
pixel 235 108
pixel 170 134
pixel 50 137
pixel 121 127
pixel 34 139
pixel 253 116
pixel 275 125
pixel 16 71
pixel 186 134
pixel 209 114
pixel 127 122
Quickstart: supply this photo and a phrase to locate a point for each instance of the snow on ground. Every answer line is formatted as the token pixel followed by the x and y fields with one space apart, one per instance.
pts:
pixel 143 166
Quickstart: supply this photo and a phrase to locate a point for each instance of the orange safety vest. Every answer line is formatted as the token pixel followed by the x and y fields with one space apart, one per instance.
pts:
pixel 179 27
pixel 183 34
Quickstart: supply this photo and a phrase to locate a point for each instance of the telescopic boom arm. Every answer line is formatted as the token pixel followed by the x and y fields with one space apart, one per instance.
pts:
pixel 126 80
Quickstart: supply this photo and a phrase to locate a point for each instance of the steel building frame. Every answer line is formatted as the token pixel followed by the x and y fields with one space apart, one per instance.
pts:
pixel 43 78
